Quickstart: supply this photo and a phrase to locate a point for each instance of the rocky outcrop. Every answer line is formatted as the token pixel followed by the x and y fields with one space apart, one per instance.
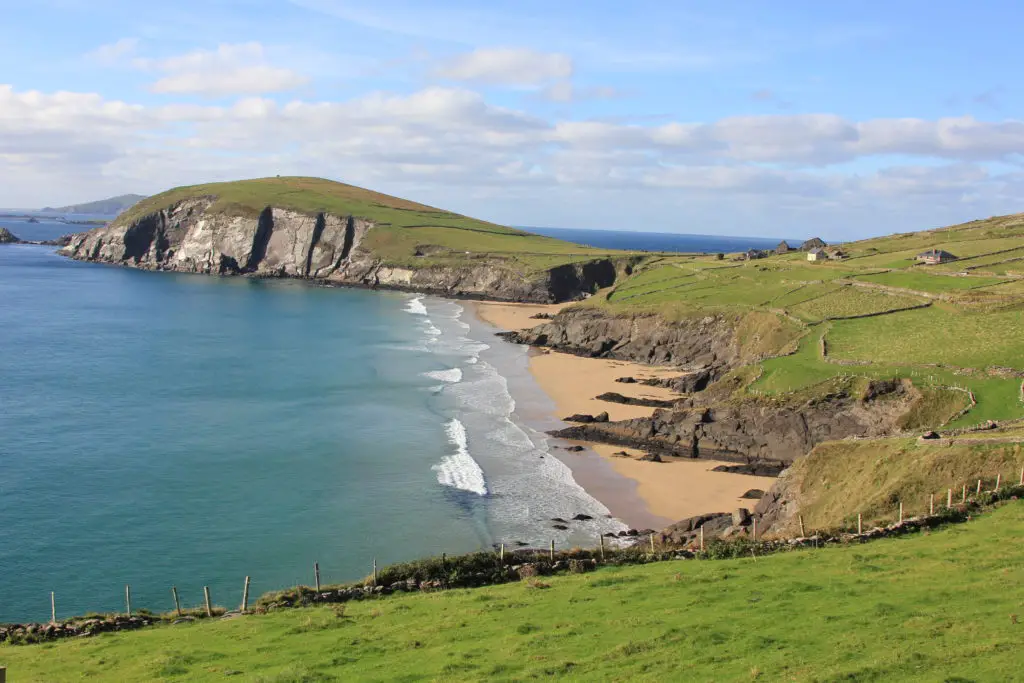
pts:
pixel 189 237
pixel 615 397
pixel 647 338
pixel 766 435
pixel 7 237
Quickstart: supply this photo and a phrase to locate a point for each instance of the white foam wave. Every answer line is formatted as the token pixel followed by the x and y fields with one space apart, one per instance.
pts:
pixel 432 329
pixel 460 471
pixel 415 306
pixel 452 376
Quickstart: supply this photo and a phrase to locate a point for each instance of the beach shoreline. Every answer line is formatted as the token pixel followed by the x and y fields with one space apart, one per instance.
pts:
pixel 643 494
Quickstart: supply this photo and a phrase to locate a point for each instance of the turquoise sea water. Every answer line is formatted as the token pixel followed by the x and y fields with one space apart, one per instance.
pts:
pixel 160 429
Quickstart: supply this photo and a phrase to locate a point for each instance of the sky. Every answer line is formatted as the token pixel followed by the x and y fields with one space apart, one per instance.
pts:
pixel 793 118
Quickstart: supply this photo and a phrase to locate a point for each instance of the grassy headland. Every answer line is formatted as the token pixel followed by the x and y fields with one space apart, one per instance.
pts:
pixel 939 605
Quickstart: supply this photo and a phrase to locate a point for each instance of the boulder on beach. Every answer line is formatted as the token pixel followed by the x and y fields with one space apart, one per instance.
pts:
pixel 753 494
pixel 651 457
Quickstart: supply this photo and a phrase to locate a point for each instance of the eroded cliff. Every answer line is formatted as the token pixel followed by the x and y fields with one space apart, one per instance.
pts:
pixel 188 237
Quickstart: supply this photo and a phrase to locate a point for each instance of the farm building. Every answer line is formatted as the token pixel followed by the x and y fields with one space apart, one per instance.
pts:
pixel 837 254
pixel 752 254
pixel 817 254
pixel 813 243
pixel 935 256
pixel 783 248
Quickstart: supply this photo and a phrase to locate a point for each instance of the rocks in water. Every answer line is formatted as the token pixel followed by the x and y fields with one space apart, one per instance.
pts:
pixel 626 380
pixel 574 449
pixel 560 527
pixel 559 520
pixel 7 237
pixel 579 417
pixel 753 494
pixel 621 454
pixel 651 457
pixel 582 518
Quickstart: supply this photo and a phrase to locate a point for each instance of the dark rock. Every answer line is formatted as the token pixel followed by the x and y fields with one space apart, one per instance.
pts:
pixel 7 237
pixel 559 520
pixel 582 518
pixel 574 449
pixel 740 517
pixel 541 316
pixel 687 531
pixel 601 417
pixel 632 532
pixel 580 417
pixel 621 454
pixel 757 469
pixel 626 380
pixel 560 527
pixel 651 457
pixel 613 397
pixel 930 435
pixel 753 494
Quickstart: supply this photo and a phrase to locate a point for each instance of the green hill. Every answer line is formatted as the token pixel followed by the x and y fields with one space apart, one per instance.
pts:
pixel 942 605
pixel 103 207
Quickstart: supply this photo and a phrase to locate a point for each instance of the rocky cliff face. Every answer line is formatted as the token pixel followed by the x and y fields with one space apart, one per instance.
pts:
pixel 187 237
pixel 765 437
pixel 646 338
pixel 7 237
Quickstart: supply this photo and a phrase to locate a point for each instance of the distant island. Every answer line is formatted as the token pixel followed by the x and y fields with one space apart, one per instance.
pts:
pixel 105 207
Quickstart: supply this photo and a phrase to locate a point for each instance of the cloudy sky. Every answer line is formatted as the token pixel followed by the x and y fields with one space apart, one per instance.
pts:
pixel 780 119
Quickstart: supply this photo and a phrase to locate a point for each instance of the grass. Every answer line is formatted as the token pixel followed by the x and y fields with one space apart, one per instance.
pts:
pixel 874 476
pixel 923 281
pixel 933 606
pixel 403 226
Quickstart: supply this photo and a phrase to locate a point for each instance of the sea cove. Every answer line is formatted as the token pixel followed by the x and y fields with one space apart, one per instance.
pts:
pixel 164 429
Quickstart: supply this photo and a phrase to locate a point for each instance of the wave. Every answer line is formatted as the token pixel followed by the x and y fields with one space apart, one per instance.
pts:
pixel 453 375
pixel 460 471
pixel 415 306
pixel 432 329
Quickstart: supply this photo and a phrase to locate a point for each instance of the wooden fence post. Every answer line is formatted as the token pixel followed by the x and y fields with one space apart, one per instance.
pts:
pixel 1021 483
pixel 860 528
pixel 901 512
pixel 551 552
pixel 245 595
pixel 999 477
pixel 949 498
pixel 53 608
pixel 931 503
pixel 177 605
pixel 128 598
pixel 803 532
pixel 964 498
pixel 702 538
pixel 601 539
pixel 206 598
pixel 501 555
pixel 3 674
pixel 316 575
pixel 652 542
pixel 375 571
pixel 979 488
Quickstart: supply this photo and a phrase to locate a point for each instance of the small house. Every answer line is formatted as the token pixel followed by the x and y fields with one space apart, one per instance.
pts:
pixel 933 257
pixel 783 248
pixel 752 254
pixel 837 254
pixel 816 254
pixel 813 243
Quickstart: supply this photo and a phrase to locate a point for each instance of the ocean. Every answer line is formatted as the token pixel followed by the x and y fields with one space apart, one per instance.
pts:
pixel 165 429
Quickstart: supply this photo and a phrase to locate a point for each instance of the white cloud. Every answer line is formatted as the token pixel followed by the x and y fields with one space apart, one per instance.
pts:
pixel 448 145
pixel 566 91
pixel 507 66
pixel 113 54
pixel 239 69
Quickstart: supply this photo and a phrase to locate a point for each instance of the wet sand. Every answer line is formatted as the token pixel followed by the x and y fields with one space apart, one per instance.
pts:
pixel 671 490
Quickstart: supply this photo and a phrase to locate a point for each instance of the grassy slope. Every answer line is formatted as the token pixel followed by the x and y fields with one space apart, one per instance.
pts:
pixel 936 606
pixel 871 477
pixel 971 324
pixel 402 225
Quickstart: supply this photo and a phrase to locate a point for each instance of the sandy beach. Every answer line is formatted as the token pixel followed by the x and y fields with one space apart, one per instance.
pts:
pixel 670 490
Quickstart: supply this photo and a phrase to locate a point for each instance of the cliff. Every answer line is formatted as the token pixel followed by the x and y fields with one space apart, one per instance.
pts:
pixel 7 237
pixel 199 232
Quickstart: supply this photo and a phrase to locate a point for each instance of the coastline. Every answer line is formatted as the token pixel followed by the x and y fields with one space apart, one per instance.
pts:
pixel 665 492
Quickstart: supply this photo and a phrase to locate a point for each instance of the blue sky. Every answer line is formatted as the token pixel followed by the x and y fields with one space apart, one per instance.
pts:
pixel 777 118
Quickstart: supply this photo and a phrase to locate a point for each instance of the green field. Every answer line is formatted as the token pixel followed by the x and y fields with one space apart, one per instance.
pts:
pixel 923 281
pixel 934 606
